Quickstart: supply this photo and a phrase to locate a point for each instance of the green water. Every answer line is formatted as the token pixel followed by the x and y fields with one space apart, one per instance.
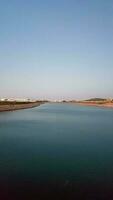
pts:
pixel 59 144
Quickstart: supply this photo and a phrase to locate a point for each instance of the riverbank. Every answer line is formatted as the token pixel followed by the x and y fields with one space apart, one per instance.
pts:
pixel 104 105
pixel 18 106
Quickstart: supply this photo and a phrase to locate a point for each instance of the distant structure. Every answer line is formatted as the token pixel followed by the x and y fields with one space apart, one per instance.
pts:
pixel 16 100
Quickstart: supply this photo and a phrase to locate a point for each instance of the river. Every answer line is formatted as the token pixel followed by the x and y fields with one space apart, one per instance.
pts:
pixel 56 150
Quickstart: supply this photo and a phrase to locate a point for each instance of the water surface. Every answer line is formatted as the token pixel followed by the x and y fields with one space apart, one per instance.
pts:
pixel 60 148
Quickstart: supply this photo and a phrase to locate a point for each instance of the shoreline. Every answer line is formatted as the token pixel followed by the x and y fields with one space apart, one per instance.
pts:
pixel 14 107
pixel 19 106
pixel 102 105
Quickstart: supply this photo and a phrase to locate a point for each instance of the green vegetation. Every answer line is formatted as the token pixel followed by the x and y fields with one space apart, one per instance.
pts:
pixel 20 102
pixel 96 99
pixel 13 103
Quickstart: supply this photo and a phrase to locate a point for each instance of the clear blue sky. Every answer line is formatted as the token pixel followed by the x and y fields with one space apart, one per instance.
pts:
pixel 56 49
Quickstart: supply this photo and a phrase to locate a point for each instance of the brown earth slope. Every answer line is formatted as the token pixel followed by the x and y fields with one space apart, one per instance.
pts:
pixel 17 106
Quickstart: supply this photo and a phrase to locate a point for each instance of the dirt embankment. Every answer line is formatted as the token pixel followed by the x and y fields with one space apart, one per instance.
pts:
pixel 11 107
pixel 98 104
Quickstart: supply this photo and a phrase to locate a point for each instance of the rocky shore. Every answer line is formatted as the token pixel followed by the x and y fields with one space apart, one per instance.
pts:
pixel 18 106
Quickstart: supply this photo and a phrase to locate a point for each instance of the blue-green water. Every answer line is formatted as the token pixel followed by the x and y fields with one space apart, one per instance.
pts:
pixel 57 145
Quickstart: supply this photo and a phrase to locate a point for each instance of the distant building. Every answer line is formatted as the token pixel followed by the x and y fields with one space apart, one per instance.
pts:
pixel 2 99
pixel 17 100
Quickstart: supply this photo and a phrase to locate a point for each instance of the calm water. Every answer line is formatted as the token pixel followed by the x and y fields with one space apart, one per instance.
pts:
pixel 57 149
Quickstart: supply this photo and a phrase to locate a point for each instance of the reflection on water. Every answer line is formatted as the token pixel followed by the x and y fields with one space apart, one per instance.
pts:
pixel 56 150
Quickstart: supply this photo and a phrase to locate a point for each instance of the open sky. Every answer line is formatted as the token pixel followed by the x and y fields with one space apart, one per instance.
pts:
pixel 56 49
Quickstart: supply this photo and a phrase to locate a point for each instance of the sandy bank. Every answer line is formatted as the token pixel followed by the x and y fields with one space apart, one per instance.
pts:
pixel 11 107
pixel 106 105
